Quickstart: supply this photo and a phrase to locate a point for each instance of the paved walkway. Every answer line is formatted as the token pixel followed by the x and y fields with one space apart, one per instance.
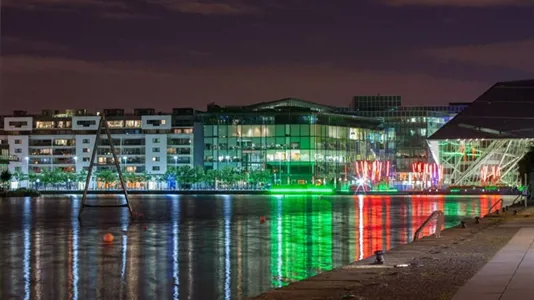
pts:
pixel 509 275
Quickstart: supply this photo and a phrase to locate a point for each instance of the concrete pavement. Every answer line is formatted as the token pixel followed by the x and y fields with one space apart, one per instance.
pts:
pixel 509 275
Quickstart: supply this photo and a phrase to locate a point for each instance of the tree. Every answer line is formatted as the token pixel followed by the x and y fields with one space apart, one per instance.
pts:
pixel 107 177
pixel 199 175
pixel 33 178
pixel 259 177
pixel 81 177
pixel 211 176
pixel 228 176
pixel 129 177
pixel 185 175
pixel 526 167
pixel 169 177
pixel 70 178
pixel 526 164
pixel 5 178
pixel 145 178
pixel 20 177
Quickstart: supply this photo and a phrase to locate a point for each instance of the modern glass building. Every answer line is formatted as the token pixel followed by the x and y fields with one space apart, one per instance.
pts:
pixel 299 141
pixel 412 126
pixel 482 145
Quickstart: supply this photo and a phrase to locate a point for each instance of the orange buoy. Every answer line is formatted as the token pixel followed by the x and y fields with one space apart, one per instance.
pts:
pixel 262 219
pixel 108 237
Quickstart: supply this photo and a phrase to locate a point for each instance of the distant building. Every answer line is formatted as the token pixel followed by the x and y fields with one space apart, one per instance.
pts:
pixel 482 144
pixel 299 141
pixel 411 126
pixel 147 141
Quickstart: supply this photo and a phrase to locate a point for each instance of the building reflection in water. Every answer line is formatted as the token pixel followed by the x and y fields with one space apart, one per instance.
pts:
pixel 209 248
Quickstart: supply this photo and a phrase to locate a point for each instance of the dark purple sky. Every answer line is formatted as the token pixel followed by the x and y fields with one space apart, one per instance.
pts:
pixel 173 53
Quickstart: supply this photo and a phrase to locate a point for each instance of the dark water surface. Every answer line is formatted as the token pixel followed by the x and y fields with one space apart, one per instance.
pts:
pixel 200 247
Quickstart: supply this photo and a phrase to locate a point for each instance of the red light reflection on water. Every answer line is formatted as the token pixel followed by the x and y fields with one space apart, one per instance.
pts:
pixel 383 222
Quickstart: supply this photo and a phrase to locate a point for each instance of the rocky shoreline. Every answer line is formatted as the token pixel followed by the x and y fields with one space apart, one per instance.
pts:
pixel 429 268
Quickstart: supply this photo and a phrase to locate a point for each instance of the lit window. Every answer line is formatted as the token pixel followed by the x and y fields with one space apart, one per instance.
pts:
pixel 133 123
pixel 116 123
pixel 44 125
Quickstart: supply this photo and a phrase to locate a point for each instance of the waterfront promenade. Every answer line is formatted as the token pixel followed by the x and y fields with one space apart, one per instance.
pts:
pixel 490 260
pixel 508 275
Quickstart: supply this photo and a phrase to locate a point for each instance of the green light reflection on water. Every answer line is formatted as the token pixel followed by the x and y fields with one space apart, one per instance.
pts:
pixel 301 235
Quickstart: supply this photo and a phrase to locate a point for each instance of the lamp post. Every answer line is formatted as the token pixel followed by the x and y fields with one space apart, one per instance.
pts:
pixel 125 162
pixel 175 161
pixel 77 182
pixel 27 159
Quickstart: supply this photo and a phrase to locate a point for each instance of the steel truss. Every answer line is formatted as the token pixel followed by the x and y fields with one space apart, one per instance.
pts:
pixel 464 160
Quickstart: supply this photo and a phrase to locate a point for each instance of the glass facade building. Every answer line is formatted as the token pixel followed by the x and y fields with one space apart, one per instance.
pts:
pixel 412 126
pixel 300 142
pixel 483 144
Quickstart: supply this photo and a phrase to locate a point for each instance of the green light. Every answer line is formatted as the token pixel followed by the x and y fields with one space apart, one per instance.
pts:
pixel 385 190
pixel 301 190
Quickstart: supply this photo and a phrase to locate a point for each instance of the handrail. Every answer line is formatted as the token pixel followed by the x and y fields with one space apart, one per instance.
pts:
pixel 519 197
pixel 491 208
pixel 437 214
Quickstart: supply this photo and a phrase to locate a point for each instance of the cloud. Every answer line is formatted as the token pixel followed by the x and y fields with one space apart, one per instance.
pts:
pixel 463 3
pixel 33 45
pixel 515 55
pixel 34 83
pixel 205 8
pixel 32 4
pixel 228 7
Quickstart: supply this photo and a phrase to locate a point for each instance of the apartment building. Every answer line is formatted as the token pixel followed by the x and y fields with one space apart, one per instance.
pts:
pixel 145 140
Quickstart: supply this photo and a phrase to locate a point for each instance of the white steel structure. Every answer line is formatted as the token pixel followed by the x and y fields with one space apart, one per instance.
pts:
pixel 482 145
pixel 145 141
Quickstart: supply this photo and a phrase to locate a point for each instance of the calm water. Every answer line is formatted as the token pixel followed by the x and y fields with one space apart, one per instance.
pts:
pixel 200 247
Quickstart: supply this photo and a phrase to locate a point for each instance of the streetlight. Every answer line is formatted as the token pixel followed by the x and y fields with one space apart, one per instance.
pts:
pixel 175 161
pixel 125 162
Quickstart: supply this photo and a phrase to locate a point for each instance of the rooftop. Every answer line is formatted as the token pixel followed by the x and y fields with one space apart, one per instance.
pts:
pixel 505 111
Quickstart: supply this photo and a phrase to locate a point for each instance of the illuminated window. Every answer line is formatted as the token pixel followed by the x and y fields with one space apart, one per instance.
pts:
pixel 116 124
pixel 61 142
pixel 133 123
pixel 44 124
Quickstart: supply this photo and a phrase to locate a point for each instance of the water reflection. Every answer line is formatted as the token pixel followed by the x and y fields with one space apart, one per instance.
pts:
pixel 200 247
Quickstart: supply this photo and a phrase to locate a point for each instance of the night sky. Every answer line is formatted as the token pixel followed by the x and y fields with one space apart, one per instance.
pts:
pixel 98 54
